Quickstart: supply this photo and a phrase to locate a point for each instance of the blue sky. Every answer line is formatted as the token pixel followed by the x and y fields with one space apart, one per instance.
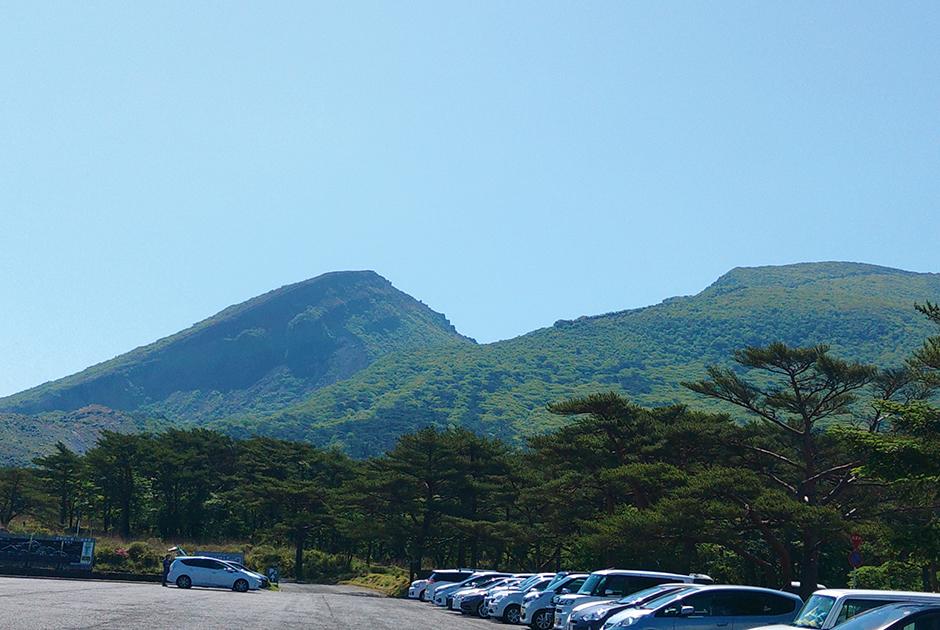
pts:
pixel 508 163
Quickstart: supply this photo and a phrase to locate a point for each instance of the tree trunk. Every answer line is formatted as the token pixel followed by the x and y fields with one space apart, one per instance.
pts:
pixel 299 556
pixel 809 564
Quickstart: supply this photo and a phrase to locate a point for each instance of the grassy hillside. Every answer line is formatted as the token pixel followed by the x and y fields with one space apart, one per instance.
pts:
pixel 254 357
pixel 865 312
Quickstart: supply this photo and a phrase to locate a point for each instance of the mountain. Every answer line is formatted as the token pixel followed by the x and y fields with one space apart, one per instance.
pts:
pixel 255 357
pixel 864 312
pixel 347 359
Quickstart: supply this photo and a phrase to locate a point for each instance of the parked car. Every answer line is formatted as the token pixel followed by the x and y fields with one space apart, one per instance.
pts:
pixel 830 607
pixel 444 577
pixel 615 583
pixel 442 593
pixel 538 607
pixel 899 616
pixel 417 589
pixel 506 605
pixel 457 597
pixel 474 601
pixel 591 616
pixel 709 607
pixel 188 571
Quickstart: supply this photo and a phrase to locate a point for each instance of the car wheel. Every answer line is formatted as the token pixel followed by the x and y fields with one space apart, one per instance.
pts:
pixel 240 586
pixel 512 614
pixel 421 597
pixel 481 611
pixel 184 581
pixel 543 620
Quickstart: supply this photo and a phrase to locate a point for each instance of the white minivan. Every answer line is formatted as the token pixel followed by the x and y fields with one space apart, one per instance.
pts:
pixel 189 571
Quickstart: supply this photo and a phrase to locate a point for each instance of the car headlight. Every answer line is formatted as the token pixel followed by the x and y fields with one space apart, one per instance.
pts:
pixel 623 623
pixel 595 615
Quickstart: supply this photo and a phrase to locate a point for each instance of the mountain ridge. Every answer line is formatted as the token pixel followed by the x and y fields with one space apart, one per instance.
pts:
pixel 371 362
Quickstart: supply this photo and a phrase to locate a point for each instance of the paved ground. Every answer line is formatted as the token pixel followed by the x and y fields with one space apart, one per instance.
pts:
pixel 39 603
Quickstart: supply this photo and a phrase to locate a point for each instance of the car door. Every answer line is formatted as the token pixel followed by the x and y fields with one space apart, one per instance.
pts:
pixel 754 609
pixel 219 573
pixel 710 610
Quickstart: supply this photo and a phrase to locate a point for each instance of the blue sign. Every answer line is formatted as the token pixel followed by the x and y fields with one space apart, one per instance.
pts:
pixel 855 559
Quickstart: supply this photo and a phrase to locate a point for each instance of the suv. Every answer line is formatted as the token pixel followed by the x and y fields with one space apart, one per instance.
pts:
pixel 614 583
pixel 506 605
pixel 443 577
pixel 189 571
pixel 732 607
pixel 832 606
pixel 538 607
pixel 591 616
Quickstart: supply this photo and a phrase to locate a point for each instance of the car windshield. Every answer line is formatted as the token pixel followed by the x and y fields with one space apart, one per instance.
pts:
pixel 556 581
pixel 814 611
pixel 529 581
pixel 590 584
pixel 648 593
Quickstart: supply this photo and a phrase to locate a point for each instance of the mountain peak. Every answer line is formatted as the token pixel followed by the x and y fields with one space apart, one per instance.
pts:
pixel 793 275
pixel 260 354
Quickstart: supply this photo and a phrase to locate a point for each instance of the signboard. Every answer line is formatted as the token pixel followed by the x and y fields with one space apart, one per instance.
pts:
pixel 228 556
pixel 59 552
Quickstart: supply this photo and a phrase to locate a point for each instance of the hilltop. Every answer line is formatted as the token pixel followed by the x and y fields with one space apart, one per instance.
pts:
pixel 257 356
pixel 864 312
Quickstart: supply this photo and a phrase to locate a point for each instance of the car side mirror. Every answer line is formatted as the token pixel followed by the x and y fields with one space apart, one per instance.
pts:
pixel 565 591
pixel 686 611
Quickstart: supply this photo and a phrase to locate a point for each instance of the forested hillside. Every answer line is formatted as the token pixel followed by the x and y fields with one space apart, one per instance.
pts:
pixel 255 357
pixel 864 312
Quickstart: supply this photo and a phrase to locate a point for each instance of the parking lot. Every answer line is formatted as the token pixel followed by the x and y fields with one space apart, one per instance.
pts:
pixel 40 603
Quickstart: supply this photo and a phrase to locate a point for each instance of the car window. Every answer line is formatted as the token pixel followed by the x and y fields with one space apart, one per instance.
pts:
pixel 701 603
pixel 612 585
pixel 750 604
pixel 852 607
pixel 574 585
pixel 929 621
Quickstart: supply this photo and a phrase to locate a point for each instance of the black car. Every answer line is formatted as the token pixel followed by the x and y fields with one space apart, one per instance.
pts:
pixel 899 616
pixel 472 605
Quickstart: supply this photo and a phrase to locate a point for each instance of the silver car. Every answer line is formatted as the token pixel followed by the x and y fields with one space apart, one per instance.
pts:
pixel 710 607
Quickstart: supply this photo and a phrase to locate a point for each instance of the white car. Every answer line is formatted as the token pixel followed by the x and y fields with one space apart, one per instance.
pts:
pixel 830 607
pixel 506 605
pixel 188 571
pixel 417 588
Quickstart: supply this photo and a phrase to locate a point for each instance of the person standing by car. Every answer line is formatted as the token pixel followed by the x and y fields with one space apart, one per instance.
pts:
pixel 166 567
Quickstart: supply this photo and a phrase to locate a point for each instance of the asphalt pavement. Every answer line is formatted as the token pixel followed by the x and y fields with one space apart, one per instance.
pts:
pixel 36 604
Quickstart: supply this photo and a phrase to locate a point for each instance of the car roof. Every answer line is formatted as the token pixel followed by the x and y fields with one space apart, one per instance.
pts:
pixel 639 573
pixel 749 589
pixel 875 594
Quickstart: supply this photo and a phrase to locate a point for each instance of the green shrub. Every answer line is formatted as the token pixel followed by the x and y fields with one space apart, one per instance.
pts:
pixel 891 576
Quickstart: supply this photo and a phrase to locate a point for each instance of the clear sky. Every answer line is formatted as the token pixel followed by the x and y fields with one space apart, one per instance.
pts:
pixel 508 163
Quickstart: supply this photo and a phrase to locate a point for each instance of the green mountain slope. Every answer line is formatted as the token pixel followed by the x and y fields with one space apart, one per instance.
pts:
pixel 255 357
pixel 865 312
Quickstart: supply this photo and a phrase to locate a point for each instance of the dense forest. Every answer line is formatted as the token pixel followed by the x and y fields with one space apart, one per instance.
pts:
pixel 826 448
